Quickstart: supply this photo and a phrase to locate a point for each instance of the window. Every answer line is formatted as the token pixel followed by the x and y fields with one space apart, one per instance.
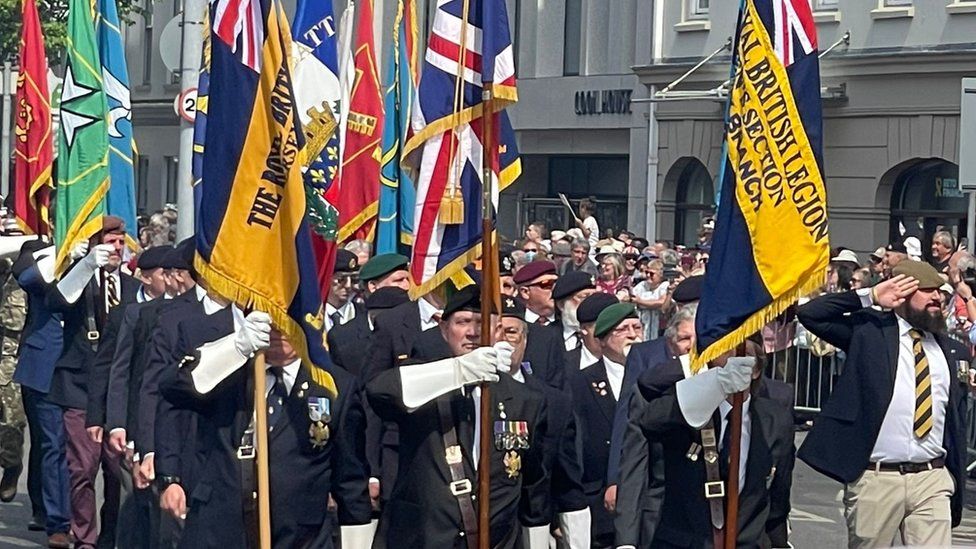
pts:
pixel 149 49
pixel 573 35
pixel 142 184
pixel 897 3
pixel 926 198
pixel 695 201
pixel 698 9
pixel 825 5
pixel 172 178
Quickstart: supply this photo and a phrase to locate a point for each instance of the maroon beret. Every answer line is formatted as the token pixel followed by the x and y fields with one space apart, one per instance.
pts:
pixel 112 225
pixel 533 271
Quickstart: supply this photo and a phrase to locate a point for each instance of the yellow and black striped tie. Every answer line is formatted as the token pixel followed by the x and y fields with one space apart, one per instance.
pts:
pixel 112 291
pixel 923 387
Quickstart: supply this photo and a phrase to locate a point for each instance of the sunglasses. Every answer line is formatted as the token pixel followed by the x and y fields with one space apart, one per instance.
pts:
pixel 544 285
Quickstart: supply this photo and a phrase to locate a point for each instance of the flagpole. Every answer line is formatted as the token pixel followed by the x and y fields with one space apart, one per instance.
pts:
pixel 735 451
pixel 489 297
pixel 261 450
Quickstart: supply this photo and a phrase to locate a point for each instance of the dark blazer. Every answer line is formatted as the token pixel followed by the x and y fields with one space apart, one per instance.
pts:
pixel 764 500
pixel 98 373
pixel 594 405
pixel 69 387
pixel 42 339
pixel 640 484
pixel 421 510
pixel 394 332
pixel 856 408
pixel 546 352
pixel 349 344
pixel 302 475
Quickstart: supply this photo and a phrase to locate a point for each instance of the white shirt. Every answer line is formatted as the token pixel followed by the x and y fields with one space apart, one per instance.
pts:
pixel 593 227
pixel 428 314
pixel 896 440
pixel 346 313
pixel 570 337
pixel 288 375
pixel 650 318
pixel 615 375
pixel 532 318
pixel 724 408
pixel 586 358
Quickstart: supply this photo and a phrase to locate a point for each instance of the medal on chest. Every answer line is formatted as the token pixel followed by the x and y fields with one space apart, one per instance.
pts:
pixel 319 416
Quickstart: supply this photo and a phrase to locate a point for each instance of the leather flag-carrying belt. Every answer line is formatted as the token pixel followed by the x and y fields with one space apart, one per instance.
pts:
pixel 714 486
pixel 460 486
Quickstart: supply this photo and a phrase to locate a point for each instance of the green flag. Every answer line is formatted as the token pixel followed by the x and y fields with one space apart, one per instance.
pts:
pixel 83 179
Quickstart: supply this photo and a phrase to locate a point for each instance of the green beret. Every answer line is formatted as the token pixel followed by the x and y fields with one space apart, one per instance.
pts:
pixel 381 265
pixel 612 316
pixel 926 275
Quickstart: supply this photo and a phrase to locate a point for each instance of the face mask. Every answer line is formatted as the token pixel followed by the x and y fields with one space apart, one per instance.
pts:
pixel 530 256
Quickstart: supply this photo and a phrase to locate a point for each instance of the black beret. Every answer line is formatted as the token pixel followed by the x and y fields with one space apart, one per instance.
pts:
pixel 153 258
pixel 570 283
pixel 181 257
pixel 897 247
pixel 591 307
pixel 345 262
pixel 513 307
pixel 467 298
pixel 533 271
pixel 688 290
pixel 381 265
pixel 386 298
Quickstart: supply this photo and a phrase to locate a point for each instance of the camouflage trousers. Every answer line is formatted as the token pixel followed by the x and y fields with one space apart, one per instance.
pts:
pixel 13 421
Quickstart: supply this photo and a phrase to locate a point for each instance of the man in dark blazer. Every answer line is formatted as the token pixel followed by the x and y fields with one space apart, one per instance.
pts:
pixel 431 504
pixel 349 342
pixel 40 347
pixel 595 391
pixel 893 430
pixel 673 410
pixel 315 440
pixel 86 295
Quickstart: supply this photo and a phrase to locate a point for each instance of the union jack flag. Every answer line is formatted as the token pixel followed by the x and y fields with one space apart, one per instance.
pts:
pixel 239 24
pixel 794 26
pixel 445 140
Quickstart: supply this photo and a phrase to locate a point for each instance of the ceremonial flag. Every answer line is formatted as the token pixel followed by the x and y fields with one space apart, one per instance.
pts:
pixel 253 241
pixel 121 199
pixel 398 196
pixel 83 177
pixel 446 141
pixel 33 148
pixel 771 237
pixel 200 114
pixel 317 99
pixel 361 154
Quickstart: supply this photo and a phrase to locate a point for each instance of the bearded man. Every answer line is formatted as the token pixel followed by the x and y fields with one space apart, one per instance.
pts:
pixel 894 429
pixel 596 389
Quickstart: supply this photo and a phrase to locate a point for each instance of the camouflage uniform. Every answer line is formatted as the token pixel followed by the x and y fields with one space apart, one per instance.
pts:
pixel 13 311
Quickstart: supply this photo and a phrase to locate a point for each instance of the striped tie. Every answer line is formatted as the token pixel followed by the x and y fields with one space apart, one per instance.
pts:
pixel 923 387
pixel 111 291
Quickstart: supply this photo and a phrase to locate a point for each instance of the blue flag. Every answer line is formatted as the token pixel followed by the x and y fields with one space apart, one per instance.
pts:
pixel 121 199
pixel 398 196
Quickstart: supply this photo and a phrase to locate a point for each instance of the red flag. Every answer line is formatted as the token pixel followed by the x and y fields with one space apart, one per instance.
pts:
pixel 33 148
pixel 362 150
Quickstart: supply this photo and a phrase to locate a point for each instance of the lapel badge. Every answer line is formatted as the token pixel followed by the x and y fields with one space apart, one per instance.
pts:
pixel 501 410
pixel 600 387
pixel 319 409
pixel 513 464
pixel 318 433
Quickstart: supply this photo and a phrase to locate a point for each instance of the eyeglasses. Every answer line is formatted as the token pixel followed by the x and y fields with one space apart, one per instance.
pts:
pixel 527 250
pixel 543 285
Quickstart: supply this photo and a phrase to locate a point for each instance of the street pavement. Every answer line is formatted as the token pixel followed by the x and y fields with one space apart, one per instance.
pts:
pixel 817 519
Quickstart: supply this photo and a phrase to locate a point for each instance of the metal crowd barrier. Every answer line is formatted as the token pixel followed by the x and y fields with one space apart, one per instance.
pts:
pixel 812 376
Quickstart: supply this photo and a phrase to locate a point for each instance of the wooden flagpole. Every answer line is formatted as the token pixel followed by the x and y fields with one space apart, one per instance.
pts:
pixel 735 449
pixel 261 449
pixel 489 298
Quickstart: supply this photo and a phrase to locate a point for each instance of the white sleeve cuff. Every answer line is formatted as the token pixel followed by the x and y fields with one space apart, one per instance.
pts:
pixel 575 526
pixel 73 283
pixel 535 537
pixel 698 397
pixel 359 536
pixel 865 295
pixel 422 383
pixel 218 360
pixel 44 259
pixel 116 430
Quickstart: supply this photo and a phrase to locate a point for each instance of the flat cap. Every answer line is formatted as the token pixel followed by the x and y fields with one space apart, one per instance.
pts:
pixel 181 256
pixel 345 262
pixel 386 298
pixel 591 307
pixel 570 283
pixel 612 316
pixel 534 270
pixel 467 298
pixel 926 275
pixel 153 258
pixel 513 307
pixel 112 224
pixel 381 265
pixel 688 290
pixel 897 247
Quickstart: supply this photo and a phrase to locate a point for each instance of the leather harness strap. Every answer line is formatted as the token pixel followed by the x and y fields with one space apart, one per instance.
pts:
pixel 461 486
pixel 714 485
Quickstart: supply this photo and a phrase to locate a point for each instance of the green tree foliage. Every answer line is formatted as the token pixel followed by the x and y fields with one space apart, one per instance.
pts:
pixel 54 16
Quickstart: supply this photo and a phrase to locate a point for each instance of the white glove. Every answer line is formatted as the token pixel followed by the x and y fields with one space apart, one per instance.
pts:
pixel 479 365
pixel 504 351
pixel 254 335
pixel 79 251
pixel 736 376
pixel 98 256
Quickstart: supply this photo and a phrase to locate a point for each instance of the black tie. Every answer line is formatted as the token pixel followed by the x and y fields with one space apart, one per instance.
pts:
pixel 336 318
pixel 579 340
pixel 276 398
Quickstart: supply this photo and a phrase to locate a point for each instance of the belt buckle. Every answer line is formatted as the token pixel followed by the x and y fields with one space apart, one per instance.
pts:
pixel 714 489
pixel 460 487
pixel 245 452
pixel 93 335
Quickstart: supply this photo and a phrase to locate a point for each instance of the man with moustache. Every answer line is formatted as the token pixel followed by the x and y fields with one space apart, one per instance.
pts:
pixel 595 390
pixel 893 430
pixel 590 351
pixel 569 291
